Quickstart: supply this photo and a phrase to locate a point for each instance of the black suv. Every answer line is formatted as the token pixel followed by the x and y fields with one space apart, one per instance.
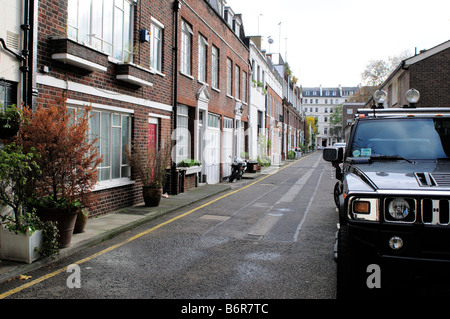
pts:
pixel 393 192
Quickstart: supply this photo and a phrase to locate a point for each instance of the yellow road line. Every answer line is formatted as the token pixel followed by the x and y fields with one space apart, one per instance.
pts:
pixel 57 272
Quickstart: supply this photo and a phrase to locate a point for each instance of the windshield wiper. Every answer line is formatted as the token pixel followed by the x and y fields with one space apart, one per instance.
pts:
pixel 389 157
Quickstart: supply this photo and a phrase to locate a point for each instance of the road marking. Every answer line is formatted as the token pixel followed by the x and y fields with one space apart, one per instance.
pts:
pixel 265 224
pixel 102 252
pixel 299 227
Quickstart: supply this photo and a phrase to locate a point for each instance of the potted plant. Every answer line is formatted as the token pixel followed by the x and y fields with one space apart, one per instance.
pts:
pixel 81 221
pixel 68 160
pixel 10 120
pixel 24 237
pixel 151 168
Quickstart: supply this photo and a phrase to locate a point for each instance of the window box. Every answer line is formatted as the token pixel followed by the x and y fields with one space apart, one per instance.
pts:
pixel 70 52
pixel 134 74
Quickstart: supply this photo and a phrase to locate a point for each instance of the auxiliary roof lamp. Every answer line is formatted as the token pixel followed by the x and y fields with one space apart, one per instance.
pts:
pixel 412 96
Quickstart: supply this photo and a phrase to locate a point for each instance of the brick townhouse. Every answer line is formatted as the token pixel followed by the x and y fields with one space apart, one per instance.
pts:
pixel 428 72
pixel 212 80
pixel 116 55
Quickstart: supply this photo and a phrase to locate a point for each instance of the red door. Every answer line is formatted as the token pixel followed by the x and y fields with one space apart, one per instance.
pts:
pixel 152 136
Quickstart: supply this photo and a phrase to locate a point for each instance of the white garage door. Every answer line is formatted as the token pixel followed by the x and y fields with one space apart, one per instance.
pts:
pixel 212 149
pixel 227 149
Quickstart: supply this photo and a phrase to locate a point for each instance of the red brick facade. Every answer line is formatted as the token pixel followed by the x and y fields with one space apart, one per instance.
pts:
pixel 101 86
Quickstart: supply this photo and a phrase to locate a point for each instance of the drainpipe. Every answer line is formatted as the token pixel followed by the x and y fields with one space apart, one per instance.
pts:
pixel 176 10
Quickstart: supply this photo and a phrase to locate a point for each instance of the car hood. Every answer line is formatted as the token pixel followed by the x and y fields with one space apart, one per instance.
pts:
pixel 400 175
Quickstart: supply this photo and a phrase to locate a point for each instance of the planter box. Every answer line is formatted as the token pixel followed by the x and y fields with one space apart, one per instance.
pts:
pixel 71 52
pixel 20 247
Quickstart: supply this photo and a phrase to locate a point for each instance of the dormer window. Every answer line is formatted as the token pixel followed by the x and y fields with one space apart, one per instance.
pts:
pixel 220 6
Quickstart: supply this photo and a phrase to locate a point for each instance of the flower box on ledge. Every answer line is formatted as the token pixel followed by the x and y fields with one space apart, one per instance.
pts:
pixel 134 74
pixel 71 52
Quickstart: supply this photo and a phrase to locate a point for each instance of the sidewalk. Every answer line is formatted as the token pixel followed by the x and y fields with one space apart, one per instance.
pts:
pixel 105 226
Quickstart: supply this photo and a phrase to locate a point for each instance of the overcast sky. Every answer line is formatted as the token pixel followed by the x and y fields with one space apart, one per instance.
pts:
pixel 329 42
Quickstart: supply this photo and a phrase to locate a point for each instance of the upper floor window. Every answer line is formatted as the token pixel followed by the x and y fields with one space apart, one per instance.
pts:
pixel 202 53
pixel 156 45
pixel 237 82
pixel 186 48
pixel 106 25
pixel 229 76
pixel 215 68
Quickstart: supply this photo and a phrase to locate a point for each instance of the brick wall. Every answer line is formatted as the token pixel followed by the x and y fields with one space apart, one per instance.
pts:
pixel 431 77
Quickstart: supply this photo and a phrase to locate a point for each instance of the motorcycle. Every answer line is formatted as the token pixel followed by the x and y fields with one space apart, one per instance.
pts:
pixel 238 167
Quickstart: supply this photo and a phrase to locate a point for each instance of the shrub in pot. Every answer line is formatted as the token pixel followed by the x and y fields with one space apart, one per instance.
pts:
pixel 68 160
pixel 151 168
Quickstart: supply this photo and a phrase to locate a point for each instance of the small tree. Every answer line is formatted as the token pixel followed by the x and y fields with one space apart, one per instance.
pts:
pixel 17 169
pixel 67 158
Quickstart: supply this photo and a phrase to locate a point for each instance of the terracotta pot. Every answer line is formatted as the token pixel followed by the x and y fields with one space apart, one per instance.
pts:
pixel 80 223
pixel 152 196
pixel 65 222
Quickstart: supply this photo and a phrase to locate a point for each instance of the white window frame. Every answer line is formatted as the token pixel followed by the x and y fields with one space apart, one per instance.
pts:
pixel 113 35
pixel 182 147
pixel 156 44
pixel 186 48
pixel 215 67
pixel 237 82
pixel 229 77
pixel 125 168
pixel 202 58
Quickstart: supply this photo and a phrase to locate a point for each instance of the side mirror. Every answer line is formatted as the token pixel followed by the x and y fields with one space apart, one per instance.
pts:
pixel 333 154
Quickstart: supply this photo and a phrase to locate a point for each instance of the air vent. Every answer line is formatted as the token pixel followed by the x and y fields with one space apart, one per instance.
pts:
pixel 12 40
pixel 425 179
pixel 441 179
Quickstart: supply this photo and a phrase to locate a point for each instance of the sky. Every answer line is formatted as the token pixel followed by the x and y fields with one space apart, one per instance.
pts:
pixel 330 42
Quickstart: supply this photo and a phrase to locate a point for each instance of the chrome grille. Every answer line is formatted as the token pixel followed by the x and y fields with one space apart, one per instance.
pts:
pixel 436 211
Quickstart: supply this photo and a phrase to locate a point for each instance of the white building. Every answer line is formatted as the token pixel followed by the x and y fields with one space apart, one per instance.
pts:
pixel 257 101
pixel 320 103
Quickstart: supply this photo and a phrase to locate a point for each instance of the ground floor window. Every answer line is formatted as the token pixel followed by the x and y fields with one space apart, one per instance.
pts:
pixel 113 131
pixel 182 134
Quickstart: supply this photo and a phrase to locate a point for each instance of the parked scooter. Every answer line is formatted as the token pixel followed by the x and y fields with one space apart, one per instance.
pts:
pixel 238 167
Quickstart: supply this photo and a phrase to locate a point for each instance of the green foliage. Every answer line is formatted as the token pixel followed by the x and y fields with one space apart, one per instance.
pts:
pixel 10 116
pixel 189 163
pixel 291 155
pixel 17 170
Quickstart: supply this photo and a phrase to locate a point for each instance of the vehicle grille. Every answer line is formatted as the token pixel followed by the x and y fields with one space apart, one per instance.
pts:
pixel 436 211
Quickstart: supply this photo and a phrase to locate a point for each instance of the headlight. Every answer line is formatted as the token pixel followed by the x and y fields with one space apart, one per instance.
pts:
pixel 400 209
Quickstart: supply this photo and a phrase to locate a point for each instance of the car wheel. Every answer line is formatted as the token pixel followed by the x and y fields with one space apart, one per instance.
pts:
pixel 337 192
pixel 350 267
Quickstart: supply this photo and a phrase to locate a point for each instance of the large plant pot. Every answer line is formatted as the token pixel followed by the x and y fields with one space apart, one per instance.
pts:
pixel 152 196
pixel 65 222
pixel 20 247
pixel 80 223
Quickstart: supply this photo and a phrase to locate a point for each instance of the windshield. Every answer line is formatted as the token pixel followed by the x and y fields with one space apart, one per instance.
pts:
pixel 402 138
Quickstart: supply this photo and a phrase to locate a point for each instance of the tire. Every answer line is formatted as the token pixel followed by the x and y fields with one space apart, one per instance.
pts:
pixel 232 176
pixel 350 267
pixel 337 192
